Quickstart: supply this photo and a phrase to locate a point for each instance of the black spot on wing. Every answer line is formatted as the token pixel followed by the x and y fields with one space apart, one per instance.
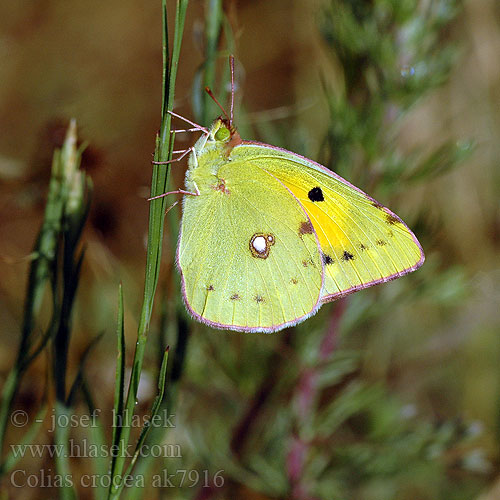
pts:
pixel 381 243
pixel 347 256
pixel 210 288
pixel 362 247
pixel 327 260
pixel 235 296
pixel 315 194
pixel 259 298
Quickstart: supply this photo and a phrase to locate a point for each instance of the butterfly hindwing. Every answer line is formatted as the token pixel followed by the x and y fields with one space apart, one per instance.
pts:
pixel 248 255
pixel 362 243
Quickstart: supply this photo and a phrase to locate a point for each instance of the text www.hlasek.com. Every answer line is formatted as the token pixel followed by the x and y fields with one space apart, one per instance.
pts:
pixel 85 449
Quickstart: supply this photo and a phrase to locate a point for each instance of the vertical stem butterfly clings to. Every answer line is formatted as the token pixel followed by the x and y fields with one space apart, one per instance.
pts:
pixel 267 236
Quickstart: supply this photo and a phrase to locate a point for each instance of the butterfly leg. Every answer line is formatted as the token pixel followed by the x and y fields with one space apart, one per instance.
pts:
pixel 171 206
pixel 184 153
pixel 178 131
pixel 197 127
pixel 177 191
pixel 194 158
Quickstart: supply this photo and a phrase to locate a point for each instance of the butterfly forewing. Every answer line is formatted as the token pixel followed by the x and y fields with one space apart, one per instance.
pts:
pixel 248 255
pixel 362 243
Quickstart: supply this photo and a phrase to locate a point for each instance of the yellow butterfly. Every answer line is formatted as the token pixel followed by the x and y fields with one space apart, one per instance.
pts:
pixel 267 236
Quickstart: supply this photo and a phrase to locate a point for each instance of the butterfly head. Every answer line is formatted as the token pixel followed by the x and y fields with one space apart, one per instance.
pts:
pixel 222 132
pixel 216 146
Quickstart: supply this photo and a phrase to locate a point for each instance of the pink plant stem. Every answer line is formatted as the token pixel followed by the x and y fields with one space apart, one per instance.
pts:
pixel 305 396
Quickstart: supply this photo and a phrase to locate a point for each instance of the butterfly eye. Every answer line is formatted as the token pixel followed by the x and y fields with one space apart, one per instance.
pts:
pixel 222 134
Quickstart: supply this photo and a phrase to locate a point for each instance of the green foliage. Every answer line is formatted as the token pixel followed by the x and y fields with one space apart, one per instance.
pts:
pixel 56 264
pixel 391 55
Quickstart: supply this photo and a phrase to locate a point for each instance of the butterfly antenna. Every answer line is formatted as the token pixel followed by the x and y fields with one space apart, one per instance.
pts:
pixel 210 93
pixel 231 65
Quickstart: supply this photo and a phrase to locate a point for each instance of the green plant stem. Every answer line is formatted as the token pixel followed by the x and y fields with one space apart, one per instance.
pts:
pixel 155 234
pixel 44 254
pixel 61 434
pixel 154 413
pixel 9 390
pixel 65 214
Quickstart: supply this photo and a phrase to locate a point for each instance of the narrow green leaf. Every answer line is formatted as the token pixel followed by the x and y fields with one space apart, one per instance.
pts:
pixel 97 438
pixel 120 373
pixel 79 376
pixel 153 414
pixel 61 435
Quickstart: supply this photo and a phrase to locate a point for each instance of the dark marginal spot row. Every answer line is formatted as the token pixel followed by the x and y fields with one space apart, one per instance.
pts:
pixel 257 298
pixel 305 228
pixel 315 194
pixel 391 219
pixel 347 256
pixel 327 260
